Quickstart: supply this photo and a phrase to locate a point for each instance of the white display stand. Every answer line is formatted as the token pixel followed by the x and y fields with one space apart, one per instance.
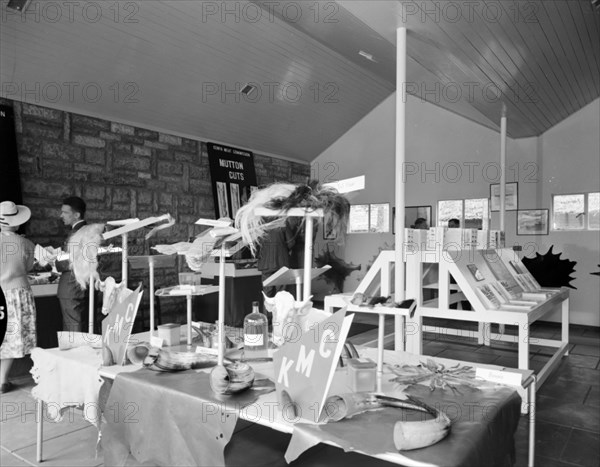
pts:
pixel 287 276
pixel 151 262
pixel 521 313
pixel 473 273
pixel 188 293
pixel 309 216
pixel 377 281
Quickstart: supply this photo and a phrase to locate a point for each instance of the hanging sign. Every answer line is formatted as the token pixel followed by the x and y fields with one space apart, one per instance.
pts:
pixel 305 368
pixel 233 177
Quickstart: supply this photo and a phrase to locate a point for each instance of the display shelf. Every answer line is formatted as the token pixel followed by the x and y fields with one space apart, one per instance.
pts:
pixel 501 269
pixel 377 281
pixel 492 281
pixel 188 292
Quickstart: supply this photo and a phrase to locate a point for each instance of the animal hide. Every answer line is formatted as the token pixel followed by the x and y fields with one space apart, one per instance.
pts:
pixel 83 249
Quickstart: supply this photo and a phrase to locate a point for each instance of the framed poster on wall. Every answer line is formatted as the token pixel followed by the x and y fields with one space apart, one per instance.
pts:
pixel 233 178
pixel 532 221
pixel 511 197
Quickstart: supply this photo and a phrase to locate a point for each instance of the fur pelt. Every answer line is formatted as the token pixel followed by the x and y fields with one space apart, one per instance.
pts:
pixel 83 253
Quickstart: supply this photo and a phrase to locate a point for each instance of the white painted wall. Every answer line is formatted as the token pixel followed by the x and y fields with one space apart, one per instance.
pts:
pixel 569 159
pixel 449 157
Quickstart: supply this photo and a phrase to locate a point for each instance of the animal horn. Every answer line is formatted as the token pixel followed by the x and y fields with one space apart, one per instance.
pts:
pixel 415 435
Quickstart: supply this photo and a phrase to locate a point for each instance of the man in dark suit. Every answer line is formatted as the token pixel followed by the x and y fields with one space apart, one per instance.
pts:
pixel 73 300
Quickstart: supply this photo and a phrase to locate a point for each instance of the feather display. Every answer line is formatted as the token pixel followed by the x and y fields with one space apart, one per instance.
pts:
pixel 251 226
pixel 83 249
pixel 283 197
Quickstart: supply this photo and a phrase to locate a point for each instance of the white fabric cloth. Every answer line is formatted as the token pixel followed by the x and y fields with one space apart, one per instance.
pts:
pixel 68 378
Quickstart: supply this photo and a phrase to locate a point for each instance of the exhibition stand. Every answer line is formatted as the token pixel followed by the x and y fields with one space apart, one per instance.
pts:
pixel 200 438
pixel 500 290
pixel 151 263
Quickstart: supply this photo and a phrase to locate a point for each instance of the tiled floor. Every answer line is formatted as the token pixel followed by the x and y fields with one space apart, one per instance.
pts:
pixel 567 427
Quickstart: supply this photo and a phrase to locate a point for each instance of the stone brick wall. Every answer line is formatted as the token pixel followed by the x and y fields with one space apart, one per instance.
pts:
pixel 120 171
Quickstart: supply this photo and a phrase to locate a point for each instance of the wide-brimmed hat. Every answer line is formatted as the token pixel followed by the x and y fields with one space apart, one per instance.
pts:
pixel 12 214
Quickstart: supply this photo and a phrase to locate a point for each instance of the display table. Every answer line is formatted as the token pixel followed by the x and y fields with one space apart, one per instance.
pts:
pixel 178 406
pixel 483 422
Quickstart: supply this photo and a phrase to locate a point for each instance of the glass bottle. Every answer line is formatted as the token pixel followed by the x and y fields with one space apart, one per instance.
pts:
pixel 256 334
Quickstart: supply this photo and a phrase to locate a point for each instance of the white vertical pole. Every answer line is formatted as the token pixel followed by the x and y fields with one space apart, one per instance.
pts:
pixel 124 258
pixel 188 301
pixel 221 332
pixel 502 184
pixel 502 170
pixel 151 267
pixel 308 254
pixel 299 288
pixel 91 307
pixel 400 182
pixel 40 430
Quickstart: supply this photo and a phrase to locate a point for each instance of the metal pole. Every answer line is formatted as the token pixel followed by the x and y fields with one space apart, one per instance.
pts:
pixel 221 353
pixel 40 430
pixel 124 258
pixel 308 253
pixel 502 171
pixel 188 300
pixel 91 307
pixel 151 266
pixel 400 182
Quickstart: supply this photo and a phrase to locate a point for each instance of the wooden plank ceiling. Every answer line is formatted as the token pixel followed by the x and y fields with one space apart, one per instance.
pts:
pixel 318 67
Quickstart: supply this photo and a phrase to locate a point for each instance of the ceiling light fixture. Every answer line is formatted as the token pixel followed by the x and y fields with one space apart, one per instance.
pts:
pixel 248 89
pixel 367 55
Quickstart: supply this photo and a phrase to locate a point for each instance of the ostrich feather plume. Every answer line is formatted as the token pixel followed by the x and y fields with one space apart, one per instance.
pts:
pixel 283 197
pixel 251 226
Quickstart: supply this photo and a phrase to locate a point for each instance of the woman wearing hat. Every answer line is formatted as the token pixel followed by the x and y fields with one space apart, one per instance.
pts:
pixel 16 259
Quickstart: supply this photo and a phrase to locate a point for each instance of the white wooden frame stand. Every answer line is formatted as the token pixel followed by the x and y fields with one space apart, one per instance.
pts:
pixel 382 268
pixel 439 308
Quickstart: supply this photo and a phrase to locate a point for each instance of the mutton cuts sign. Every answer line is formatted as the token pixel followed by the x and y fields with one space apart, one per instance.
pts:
pixel 233 178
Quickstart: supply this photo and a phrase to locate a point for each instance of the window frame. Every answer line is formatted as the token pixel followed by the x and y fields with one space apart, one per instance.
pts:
pixel 485 219
pixel 369 231
pixel 585 223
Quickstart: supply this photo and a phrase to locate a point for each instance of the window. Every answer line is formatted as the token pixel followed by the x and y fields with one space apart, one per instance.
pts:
pixel 472 213
pixel 568 212
pixel 594 211
pixel 450 209
pixel 477 214
pixel 365 218
pixel 379 220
